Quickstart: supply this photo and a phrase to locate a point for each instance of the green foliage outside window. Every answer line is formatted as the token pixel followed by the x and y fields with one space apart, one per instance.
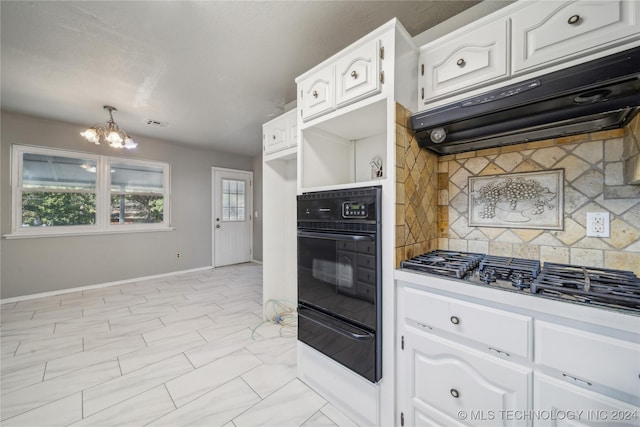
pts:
pixel 53 208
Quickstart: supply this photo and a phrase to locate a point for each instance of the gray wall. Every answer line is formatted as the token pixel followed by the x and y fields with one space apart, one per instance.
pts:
pixel 29 266
pixel 257 208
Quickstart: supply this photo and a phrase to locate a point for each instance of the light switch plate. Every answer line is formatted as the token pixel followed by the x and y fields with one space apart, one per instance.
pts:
pixel 598 224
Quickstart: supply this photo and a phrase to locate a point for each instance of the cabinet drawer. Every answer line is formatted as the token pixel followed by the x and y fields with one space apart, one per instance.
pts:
pixel 502 332
pixel 473 59
pixel 318 93
pixel 551 394
pixel 449 378
pixel 357 74
pixel 589 358
pixel 552 31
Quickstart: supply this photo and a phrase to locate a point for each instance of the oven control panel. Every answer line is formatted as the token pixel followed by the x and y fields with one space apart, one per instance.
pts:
pixel 354 210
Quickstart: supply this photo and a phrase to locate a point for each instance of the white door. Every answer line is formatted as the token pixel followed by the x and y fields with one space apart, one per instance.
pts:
pixel 232 220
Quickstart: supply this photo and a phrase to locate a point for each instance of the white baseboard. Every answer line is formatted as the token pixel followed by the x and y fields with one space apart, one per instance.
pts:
pixel 256 261
pixel 97 286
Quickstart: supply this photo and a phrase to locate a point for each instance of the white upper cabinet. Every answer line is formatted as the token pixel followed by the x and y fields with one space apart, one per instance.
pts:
pixel 352 76
pixel 317 93
pixel 275 136
pixel 547 32
pixel 280 133
pixel 476 57
pixel 357 75
pixel 523 40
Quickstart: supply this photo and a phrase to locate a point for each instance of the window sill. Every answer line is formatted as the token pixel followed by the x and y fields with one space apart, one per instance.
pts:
pixel 35 235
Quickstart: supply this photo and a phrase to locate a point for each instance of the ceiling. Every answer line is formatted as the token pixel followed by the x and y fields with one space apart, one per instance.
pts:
pixel 212 71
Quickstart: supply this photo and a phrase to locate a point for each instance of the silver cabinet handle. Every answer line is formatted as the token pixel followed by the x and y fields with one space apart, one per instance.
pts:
pixel 504 353
pixel 455 320
pixel 461 63
pixel 354 74
pixel 573 19
pixel 576 379
pixel 455 393
pixel 315 94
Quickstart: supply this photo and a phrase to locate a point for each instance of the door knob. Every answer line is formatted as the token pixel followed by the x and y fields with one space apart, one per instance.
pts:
pixel 217 225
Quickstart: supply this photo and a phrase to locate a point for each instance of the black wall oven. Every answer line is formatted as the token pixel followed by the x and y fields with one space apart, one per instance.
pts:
pixel 339 277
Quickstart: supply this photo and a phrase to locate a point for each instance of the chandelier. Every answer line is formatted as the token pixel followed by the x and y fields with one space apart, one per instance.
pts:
pixel 110 133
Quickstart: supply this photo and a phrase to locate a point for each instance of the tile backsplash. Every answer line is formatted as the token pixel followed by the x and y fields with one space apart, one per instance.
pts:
pixel 594 182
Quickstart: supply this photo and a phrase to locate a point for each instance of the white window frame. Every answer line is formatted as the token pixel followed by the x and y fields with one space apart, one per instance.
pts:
pixel 103 195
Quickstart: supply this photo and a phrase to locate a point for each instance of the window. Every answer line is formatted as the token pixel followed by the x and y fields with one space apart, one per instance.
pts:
pixel 233 198
pixel 65 192
pixel 137 193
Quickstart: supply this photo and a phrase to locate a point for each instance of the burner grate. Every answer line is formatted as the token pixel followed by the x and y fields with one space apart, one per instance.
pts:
pixel 589 284
pixel 519 271
pixel 444 263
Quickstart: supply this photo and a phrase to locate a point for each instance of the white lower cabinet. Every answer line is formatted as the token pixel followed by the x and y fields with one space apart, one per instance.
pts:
pixel 584 369
pixel 446 383
pixel 557 403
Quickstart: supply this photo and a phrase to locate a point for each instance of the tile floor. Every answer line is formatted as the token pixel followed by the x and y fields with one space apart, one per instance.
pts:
pixel 188 349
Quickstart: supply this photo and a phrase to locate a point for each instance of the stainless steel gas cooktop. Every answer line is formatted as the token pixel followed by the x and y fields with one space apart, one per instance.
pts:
pixel 584 285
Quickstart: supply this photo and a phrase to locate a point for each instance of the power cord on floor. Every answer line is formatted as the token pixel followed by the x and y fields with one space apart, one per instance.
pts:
pixel 280 312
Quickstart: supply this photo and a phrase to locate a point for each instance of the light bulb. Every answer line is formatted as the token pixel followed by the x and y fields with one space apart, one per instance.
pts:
pixel 91 135
pixel 129 143
pixel 115 140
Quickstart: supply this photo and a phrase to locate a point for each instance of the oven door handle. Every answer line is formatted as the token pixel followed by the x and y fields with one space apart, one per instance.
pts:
pixel 335 236
pixel 337 329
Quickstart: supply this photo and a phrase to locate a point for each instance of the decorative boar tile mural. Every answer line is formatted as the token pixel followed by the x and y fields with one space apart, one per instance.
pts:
pixel 518 200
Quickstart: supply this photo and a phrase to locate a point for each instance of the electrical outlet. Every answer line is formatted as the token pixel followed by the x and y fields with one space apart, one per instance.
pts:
pixel 598 224
pixel 178 255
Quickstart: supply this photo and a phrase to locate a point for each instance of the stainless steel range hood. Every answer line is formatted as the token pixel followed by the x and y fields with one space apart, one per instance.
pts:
pixel 598 95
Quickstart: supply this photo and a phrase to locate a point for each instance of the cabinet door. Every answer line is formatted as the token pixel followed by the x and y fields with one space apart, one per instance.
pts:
pixel 358 74
pixel 440 379
pixel 575 407
pixel 318 95
pixel 476 58
pixel 588 358
pixel 292 123
pixel 503 333
pixel 275 135
pixel 552 31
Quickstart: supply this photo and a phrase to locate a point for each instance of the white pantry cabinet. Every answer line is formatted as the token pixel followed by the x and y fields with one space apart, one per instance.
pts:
pixel 279 185
pixel 347 139
pixel 521 41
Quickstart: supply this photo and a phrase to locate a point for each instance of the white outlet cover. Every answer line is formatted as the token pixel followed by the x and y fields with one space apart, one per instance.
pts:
pixel 598 224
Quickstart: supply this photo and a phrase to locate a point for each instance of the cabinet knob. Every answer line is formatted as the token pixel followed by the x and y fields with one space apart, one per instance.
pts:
pixel 455 320
pixel 354 74
pixel 461 63
pixel 573 19
pixel 315 94
pixel 455 393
